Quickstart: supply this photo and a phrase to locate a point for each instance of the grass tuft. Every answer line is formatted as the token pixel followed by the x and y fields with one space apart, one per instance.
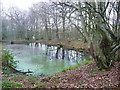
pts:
pixel 39 85
pixel 9 84
pixel 75 66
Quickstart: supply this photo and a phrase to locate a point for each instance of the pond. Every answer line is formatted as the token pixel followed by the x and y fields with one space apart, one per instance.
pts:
pixel 41 58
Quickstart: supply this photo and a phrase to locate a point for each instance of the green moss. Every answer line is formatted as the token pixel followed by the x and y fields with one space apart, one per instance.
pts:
pixel 108 87
pixel 55 80
pixel 32 77
pixel 39 85
pixel 75 66
pixel 118 84
pixel 104 69
pixel 9 84
pixel 78 83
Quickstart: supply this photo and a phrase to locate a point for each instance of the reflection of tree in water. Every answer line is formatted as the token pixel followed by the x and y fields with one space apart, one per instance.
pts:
pixel 58 52
pixel 63 53
pixel 58 48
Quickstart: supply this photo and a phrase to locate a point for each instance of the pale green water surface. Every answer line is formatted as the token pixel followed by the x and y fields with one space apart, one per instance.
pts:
pixel 42 58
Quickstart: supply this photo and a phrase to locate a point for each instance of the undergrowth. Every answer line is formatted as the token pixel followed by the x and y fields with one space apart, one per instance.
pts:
pixel 9 84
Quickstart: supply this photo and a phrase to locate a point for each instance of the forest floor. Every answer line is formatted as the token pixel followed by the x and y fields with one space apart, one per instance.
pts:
pixel 84 76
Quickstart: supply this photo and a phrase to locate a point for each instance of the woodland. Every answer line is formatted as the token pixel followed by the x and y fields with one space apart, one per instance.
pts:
pixel 88 27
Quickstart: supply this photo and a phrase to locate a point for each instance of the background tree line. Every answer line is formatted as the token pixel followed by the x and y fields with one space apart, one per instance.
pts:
pixel 96 23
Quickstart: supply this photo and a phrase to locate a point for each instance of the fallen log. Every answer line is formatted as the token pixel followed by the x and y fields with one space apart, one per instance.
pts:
pixel 18 71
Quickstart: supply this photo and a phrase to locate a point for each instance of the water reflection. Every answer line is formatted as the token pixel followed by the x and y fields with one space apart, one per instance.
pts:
pixel 42 58
pixel 58 52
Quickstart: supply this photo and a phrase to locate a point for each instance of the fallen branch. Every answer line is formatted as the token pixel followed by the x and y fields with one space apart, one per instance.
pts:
pixel 17 71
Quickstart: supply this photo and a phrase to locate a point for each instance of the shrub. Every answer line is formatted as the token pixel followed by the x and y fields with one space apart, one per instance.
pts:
pixel 8 59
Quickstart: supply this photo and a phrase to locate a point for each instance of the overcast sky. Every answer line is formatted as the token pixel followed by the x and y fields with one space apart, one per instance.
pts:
pixel 25 4
pixel 22 4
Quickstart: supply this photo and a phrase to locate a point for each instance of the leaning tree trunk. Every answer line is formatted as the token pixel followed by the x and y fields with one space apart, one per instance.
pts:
pixel 97 55
pixel 104 54
pixel 117 55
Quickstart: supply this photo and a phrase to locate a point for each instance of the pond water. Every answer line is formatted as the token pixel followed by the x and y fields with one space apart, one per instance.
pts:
pixel 41 58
